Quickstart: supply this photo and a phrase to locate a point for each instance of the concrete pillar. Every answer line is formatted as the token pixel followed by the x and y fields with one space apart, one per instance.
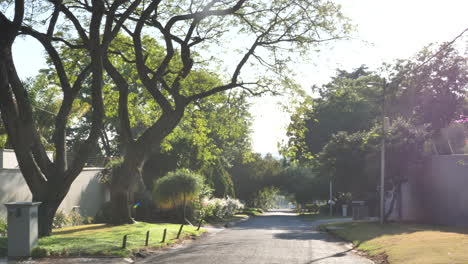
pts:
pixel 22 228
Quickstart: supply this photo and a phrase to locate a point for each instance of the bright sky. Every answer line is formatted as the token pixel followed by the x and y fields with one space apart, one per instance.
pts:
pixel 387 30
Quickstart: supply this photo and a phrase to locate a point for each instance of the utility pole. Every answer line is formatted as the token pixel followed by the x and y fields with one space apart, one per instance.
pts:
pixel 331 198
pixel 385 124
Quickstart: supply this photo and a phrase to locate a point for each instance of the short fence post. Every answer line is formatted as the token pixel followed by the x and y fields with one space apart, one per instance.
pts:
pixel 180 231
pixel 199 224
pixel 164 235
pixel 124 242
pixel 147 238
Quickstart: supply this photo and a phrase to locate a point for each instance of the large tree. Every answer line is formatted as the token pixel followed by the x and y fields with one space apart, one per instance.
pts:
pixel 57 25
pixel 272 31
pixel 347 103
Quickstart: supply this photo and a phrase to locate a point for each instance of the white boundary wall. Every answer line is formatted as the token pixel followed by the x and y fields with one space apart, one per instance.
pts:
pixel 85 192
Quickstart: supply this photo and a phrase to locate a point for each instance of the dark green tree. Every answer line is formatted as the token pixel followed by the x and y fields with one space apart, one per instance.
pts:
pixel 347 103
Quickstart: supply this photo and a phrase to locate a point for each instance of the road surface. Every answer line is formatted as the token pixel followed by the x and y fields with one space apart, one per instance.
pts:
pixel 276 237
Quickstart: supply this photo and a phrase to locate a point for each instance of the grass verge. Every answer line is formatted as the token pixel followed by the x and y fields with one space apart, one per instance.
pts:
pixel 407 243
pixel 225 220
pixel 106 240
pixel 252 211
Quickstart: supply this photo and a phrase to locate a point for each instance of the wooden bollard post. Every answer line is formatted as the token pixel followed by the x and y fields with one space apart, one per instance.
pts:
pixel 180 231
pixel 124 242
pixel 147 238
pixel 164 235
pixel 199 224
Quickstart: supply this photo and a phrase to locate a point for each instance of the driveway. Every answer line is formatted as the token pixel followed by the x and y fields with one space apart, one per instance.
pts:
pixel 275 237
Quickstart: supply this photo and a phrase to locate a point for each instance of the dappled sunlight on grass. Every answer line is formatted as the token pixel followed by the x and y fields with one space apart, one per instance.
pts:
pixel 82 229
pixel 106 240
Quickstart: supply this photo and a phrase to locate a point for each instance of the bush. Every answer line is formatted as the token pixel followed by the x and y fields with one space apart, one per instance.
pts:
pixel 40 252
pixel 265 198
pixel 61 219
pixel 3 227
pixel 178 190
pixel 217 208
pixel 75 218
pixel 312 208
pixel 88 220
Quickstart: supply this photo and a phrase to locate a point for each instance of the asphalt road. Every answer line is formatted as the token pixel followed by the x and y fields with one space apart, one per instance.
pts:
pixel 276 237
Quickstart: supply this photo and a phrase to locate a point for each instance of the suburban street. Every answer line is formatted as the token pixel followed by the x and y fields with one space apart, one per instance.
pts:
pixel 275 237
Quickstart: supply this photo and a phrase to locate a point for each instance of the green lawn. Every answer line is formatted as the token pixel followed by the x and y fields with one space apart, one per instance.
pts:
pixel 228 219
pixel 106 240
pixel 408 243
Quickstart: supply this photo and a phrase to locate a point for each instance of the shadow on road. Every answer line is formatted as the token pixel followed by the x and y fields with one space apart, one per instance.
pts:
pixel 276 237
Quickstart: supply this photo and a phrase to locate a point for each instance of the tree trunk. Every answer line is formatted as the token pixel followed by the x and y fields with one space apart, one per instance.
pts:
pixel 46 215
pixel 185 208
pixel 51 196
pixel 124 179
pixel 122 183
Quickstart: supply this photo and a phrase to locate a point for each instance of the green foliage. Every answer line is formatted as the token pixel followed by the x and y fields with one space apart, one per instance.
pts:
pixel 218 209
pixel 3 227
pixel 405 151
pixel 40 252
pixel 88 220
pixel 265 198
pixel 61 219
pixel 433 93
pixel 207 142
pixel 347 103
pixel 75 218
pixel 177 188
pixel 253 174
pixel 109 168
pixel 345 161
pixel 3 141
pixel 304 184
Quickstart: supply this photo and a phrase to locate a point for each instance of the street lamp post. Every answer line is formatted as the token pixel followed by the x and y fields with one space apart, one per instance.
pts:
pixel 385 124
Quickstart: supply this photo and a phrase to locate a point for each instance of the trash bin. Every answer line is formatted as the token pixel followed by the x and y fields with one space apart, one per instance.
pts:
pixel 22 228
pixel 344 209
pixel 360 210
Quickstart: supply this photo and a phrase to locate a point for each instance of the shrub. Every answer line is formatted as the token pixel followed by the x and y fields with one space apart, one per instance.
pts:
pixel 40 252
pixel 312 208
pixel 177 190
pixel 265 198
pixel 61 219
pixel 220 208
pixel 88 220
pixel 75 218
pixel 3 227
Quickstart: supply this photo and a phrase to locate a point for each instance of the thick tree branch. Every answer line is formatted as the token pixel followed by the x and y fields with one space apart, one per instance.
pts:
pixel 125 131
pixel 96 54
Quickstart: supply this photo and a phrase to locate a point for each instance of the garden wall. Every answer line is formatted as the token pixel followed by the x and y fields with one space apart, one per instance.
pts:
pixel 440 195
pixel 86 192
